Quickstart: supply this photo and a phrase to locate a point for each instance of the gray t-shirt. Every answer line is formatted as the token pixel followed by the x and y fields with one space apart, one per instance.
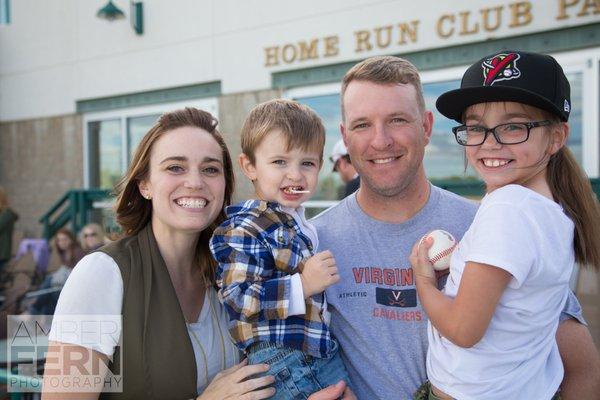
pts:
pixel 376 317
pixel 380 325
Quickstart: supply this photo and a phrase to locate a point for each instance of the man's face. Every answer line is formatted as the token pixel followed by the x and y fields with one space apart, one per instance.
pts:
pixel 385 133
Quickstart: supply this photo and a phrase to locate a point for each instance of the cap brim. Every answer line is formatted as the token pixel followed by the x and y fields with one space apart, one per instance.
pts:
pixel 452 104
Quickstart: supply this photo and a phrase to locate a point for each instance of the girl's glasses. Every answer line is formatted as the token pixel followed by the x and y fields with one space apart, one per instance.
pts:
pixel 511 133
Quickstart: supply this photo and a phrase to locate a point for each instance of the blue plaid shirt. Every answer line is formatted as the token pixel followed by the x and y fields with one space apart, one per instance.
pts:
pixel 258 248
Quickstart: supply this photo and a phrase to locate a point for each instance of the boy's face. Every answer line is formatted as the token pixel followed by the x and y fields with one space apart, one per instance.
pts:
pixel 277 172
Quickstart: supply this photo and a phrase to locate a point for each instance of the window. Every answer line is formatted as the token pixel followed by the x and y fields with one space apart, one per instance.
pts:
pixel 4 12
pixel 444 157
pixel 105 152
pixel 136 129
pixel 112 138
pixel 575 141
pixel 325 100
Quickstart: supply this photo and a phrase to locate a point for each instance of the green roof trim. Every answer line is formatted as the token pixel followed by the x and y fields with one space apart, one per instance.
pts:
pixel 567 39
pixel 161 96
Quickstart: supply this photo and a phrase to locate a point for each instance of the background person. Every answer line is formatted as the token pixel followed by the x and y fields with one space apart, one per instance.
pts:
pixel 69 253
pixel 343 166
pixel 7 226
pixel 92 237
pixel 376 316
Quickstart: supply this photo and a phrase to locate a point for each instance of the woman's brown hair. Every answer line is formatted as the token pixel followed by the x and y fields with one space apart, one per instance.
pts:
pixel 133 211
pixel 73 254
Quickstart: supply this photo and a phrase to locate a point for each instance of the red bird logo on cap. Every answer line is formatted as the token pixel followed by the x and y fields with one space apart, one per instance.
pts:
pixel 501 67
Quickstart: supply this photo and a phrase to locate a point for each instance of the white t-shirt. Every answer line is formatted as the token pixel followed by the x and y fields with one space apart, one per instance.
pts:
pixel 528 235
pixel 95 287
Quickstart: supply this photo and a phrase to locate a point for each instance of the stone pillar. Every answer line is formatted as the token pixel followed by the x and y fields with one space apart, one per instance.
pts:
pixel 232 112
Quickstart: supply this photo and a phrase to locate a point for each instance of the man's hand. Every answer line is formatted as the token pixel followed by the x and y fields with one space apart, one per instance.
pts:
pixel 320 272
pixel 334 392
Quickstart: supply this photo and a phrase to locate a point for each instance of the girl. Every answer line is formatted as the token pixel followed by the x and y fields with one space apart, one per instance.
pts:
pixel 492 329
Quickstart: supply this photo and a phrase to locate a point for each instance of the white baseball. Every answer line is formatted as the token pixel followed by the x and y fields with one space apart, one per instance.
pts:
pixel 441 250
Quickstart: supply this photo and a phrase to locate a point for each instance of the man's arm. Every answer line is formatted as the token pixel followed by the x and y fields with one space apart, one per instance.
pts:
pixel 580 359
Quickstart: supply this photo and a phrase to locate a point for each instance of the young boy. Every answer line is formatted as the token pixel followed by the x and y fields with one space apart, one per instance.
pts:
pixel 271 281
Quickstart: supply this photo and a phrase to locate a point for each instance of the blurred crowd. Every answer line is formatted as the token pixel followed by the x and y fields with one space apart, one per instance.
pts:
pixel 33 270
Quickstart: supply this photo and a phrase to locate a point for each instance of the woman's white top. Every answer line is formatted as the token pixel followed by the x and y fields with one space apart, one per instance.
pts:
pixel 95 290
pixel 529 236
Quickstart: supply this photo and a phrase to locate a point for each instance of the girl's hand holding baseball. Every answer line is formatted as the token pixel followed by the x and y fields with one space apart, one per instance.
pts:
pixel 422 267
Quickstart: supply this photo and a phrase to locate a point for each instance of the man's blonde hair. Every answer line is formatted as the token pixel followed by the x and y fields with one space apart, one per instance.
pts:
pixel 301 127
pixel 385 70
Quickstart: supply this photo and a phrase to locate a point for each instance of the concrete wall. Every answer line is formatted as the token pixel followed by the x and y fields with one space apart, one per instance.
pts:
pixel 55 52
pixel 40 160
pixel 232 112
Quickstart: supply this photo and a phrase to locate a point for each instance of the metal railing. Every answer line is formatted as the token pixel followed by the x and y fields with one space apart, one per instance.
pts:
pixel 74 207
pixel 25 383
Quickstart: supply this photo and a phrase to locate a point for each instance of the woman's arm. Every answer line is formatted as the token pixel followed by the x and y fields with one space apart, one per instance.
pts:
pixel 464 319
pixel 67 364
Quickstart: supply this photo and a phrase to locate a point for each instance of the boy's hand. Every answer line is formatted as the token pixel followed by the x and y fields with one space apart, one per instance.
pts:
pixel 320 272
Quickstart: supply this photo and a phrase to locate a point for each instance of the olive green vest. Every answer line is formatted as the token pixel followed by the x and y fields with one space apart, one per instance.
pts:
pixel 158 359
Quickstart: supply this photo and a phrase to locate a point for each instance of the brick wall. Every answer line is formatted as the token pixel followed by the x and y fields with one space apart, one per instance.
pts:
pixel 39 161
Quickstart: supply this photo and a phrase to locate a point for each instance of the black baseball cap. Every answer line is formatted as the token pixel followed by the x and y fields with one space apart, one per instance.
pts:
pixel 528 78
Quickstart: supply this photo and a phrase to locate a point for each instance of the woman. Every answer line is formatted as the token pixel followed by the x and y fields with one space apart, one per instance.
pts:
pixel 160 277
pixel 69 253
pixel 67 248
pixel 92 237
pixel 7 225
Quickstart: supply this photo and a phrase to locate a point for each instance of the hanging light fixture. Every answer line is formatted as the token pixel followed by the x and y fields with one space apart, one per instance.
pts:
pixel 137 16
pixel 110 12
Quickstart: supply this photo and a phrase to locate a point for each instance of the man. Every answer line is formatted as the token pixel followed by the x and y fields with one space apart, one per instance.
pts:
pixel 376 315
pixel 343 166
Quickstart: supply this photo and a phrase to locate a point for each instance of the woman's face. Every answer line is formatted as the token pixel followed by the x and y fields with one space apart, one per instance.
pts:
pixel 186 183
pixel 63 242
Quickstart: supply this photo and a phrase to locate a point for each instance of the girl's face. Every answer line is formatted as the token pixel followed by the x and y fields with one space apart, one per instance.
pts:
pixel 523 163
pixel 63 242
pixel 186 183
